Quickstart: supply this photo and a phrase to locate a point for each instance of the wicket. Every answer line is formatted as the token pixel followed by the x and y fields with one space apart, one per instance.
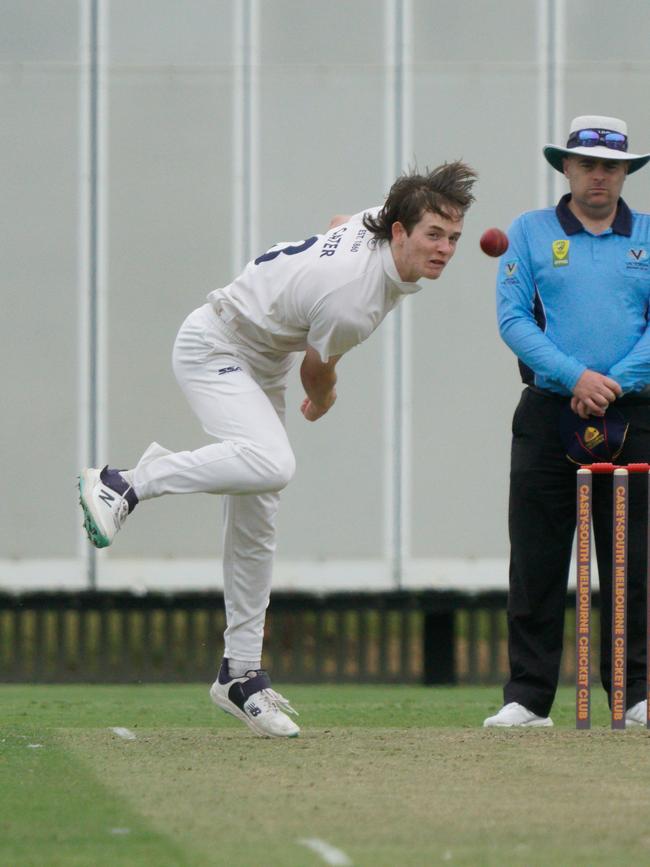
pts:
pixel 620 524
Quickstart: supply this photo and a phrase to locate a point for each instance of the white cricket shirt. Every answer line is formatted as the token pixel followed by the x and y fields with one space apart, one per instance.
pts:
pixel 330 291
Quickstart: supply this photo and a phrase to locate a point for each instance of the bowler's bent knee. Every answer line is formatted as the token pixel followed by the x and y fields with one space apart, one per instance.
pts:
pixel 268 469
pixel 281 469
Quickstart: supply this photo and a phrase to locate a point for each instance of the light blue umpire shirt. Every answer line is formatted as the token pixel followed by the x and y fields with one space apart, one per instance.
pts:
pixel 568 300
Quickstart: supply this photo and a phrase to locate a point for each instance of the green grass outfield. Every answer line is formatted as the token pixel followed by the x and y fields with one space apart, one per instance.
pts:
pixel 389 776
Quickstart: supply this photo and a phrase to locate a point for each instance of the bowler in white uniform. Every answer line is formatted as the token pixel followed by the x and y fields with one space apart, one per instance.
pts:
pixel 319 297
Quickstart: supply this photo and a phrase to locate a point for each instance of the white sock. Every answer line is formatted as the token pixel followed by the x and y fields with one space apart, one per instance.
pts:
pixel 127 475
pixel 239 667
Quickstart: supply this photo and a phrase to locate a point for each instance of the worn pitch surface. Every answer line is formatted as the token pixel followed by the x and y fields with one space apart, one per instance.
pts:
pixel 383 775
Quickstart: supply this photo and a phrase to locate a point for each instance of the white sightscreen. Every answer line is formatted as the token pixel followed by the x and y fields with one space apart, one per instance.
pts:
pixel 220 128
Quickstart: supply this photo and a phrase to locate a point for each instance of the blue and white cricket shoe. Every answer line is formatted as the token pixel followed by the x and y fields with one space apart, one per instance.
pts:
pixel 107 499
pixel 252 700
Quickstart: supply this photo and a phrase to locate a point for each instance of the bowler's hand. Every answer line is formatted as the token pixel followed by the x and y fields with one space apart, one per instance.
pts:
pixel 593 393
pixel 312 411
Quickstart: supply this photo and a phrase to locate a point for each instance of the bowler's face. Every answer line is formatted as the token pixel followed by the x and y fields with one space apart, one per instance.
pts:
pixel 427 249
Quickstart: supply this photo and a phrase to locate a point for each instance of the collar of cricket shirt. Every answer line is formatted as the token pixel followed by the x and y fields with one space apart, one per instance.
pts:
pixel 621 224
pixel 392 273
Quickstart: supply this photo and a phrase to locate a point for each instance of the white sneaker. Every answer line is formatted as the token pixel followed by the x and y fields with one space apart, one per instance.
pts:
pixel 107 499
pixel 514 714
pixel 637 714
pixel 251 699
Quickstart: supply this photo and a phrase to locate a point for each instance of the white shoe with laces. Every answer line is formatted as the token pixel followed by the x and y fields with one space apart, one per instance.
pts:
pixel 637 714
pixel 252 700
pixel 516 715
pixel 107 500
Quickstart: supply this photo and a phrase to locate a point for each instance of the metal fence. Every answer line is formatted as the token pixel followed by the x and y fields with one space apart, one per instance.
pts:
pixel 431 637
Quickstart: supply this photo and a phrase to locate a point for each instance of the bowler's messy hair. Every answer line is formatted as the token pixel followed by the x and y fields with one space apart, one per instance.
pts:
pixel 445 190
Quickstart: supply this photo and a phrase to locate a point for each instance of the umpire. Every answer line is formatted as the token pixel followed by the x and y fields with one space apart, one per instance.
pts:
pixel 573 303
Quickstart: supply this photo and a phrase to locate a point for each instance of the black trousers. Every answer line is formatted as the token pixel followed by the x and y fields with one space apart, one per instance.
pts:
pixel 542 521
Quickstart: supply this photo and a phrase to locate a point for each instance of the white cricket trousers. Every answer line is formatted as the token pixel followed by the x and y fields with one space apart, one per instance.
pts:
pixel 238 396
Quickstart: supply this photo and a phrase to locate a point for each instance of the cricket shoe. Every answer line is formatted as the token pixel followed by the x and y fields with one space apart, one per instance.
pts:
pixel 107 499
pixel 637 714
pixel 251 699
pixel 516 715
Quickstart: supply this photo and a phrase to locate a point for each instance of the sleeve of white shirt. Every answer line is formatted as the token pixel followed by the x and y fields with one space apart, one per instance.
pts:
pixel 336 327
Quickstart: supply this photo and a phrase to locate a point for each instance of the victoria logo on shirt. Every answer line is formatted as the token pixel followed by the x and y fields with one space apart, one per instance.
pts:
pixel 510 273
pixel 560 252
pixel 637 259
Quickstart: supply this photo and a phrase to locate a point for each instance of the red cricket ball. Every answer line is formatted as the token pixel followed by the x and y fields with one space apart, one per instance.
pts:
pixel 494 242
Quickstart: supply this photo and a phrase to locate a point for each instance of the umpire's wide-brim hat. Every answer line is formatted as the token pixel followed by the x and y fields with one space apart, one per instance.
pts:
pixel 603 138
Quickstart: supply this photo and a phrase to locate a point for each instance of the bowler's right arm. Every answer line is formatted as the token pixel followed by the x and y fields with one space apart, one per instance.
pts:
pixel 319 381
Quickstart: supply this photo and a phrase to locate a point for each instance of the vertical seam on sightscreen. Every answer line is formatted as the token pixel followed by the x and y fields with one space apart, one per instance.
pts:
pixel 404 407
pixel 544 97
pixel 88 248
pixel 93 227
pixel 550 55
pixel 398 336
pixel 551 94
pixel 93 324
pixel 397 20
pixel 388 335
pixel 245 174
pixel 557 24
pixel 83 254
pixel 100 207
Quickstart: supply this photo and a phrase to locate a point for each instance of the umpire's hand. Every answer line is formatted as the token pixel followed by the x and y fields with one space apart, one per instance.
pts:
pixel 593 393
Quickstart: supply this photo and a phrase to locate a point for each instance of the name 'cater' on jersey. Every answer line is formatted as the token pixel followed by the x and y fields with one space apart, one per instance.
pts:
pixel 333 240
